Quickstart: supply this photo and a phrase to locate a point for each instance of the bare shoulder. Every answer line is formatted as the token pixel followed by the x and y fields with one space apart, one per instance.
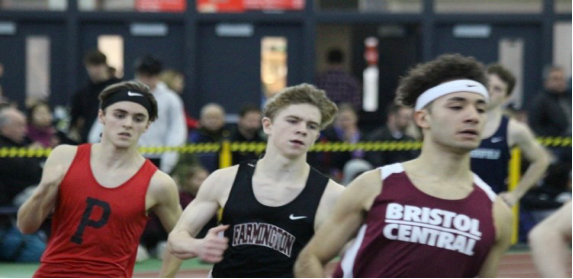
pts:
pixel 519 132
pixel 330 196
pixel 161 182
pixel 366 184
pixel 370 181
pixel 365 188
pixel 218 185
pixel 502 215
pixel 516 126
pixel 369 176
pixel 333 190
pixel 63 155
pixel 224 175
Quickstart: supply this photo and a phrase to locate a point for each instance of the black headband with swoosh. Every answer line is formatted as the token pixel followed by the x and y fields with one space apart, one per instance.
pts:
pixel 127 96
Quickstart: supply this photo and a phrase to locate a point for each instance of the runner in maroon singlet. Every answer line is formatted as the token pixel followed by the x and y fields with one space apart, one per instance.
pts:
pixel 429 217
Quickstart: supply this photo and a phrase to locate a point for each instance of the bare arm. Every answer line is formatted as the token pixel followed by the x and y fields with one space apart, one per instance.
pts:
pixel 522 136
pixel 341 225
pixel 549 242
pixel 182 241
pixel 165 197
pixel 502 220
pixel 36 209
pixel 327 202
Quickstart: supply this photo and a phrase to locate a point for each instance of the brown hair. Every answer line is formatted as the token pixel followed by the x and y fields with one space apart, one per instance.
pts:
pixel 444 68
pixel 302 94
pixel 504 74
pixel 95 57
pixel 132 86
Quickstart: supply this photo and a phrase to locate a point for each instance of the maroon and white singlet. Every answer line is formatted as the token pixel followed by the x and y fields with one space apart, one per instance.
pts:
pixel 408 233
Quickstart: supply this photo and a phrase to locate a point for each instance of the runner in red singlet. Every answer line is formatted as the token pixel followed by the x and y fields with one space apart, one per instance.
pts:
pixel 100 194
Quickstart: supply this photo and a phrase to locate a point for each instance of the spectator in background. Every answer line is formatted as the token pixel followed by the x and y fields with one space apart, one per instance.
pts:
pixel 169 129
pixel 211 130
pixel 345 129
pixel 16 173
pixel 248 130
pixel 17 176
pixel 398 121
pixel 340 86
pixel 85 101
pixel 189 178
pixel 41 129
pixel 176 82
pixel 550 114
pixel 212 125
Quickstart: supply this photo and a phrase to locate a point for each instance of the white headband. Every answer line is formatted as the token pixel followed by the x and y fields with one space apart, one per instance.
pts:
pixel 460 85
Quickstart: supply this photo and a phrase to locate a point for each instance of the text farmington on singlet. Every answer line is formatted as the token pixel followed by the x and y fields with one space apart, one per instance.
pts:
pixel 433 227
pixel 263 234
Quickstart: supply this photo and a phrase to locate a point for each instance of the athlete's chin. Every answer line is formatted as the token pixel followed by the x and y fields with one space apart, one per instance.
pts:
pixel 123 144
pixel 293 154
pixel 467 146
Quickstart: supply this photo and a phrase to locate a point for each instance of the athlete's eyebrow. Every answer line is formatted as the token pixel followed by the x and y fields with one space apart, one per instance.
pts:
pixel 125 111
pixel 120 110
pixel 300 119
pixel 462 99
pixel 457 99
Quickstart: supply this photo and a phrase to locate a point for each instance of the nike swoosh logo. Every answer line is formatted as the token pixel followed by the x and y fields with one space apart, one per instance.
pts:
pixel 251 165
pixel 129 93
pixel 470 85
pixel 292 217
pixel 494 140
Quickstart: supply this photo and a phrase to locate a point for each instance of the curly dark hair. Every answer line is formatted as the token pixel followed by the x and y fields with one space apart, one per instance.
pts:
pixel 445 68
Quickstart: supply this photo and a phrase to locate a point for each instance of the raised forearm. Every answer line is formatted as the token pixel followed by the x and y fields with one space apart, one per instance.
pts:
pixel 182 245
pixel 308 265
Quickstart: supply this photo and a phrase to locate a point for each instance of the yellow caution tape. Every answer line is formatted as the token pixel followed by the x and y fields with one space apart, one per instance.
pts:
pixel 260 147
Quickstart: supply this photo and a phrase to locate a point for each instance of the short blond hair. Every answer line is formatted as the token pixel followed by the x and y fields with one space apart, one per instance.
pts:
pixel 302 94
